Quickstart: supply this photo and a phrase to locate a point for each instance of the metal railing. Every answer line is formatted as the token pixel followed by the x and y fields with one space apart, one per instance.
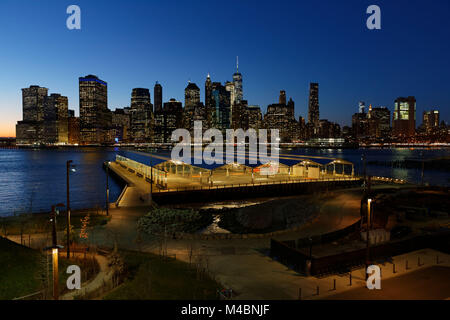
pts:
pixel 143 171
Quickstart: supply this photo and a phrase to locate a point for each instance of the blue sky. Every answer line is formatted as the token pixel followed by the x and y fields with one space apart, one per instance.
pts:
pixel 280 44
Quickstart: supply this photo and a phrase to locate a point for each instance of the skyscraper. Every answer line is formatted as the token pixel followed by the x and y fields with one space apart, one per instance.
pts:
pixel 56 112
pixel 313 105
pixel 94 111
pixel 221 109
pixel 191 95
pixel 254 117
pixel 231 88
pixel 379 122
pixel 281 116
pixel 30 129
pixel 157 93
pixel 167 120
pixel 404 121
pixel 191 103
pixel 209 104
pixel 430 120
pixel 237 80
pixel 141 115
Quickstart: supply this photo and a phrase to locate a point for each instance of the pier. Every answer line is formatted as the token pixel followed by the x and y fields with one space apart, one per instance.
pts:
pixel 177 182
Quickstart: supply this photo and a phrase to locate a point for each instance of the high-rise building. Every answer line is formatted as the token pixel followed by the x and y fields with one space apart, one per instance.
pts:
pixel 94 113
pixel 168 120
pixel 221 109
pixel 430 120
pixel 191 95
pixel 33 100
pixel 209 102
pixel 141 115
pixel 291 109
pixel 281 116
pixel 360 125
pixel 191 103
pixel 157 93
pixel 379 122
pixel 313 105
pixel 31 129
pixel 239 116
pixel 56 126
pixel 254 117
pixel 328 129
pixel 74 130
pixel 121 124
pixel 282 99
pixel 404 117
pixel 231 88
pixel 237 80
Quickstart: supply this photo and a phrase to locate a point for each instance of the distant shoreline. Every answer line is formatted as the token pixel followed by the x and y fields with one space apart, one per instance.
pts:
pixel 283 146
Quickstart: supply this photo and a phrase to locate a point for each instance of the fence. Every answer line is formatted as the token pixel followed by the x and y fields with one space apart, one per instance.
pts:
pixel 287 253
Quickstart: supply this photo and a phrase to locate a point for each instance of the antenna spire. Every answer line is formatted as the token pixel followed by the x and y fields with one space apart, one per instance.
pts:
pixel 237 63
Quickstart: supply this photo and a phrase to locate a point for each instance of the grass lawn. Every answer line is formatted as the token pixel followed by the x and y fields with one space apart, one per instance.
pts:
pixel 20 266
pixel 150 277
pixel 40 222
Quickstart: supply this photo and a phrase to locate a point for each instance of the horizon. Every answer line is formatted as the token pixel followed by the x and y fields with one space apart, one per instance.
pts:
pixel 295 46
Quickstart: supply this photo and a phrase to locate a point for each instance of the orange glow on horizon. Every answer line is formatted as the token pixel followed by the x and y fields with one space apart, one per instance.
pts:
pixel 7 130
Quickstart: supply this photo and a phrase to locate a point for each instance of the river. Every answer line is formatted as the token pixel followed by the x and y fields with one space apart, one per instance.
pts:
pixel 31 180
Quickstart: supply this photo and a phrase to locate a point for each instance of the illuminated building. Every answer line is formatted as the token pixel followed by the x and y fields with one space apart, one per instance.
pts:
pixel 404 117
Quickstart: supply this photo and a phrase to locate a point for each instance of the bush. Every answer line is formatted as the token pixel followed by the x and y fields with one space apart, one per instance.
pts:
pixel 166 220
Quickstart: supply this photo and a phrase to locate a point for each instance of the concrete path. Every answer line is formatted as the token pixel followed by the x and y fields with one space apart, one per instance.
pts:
pixel 104 276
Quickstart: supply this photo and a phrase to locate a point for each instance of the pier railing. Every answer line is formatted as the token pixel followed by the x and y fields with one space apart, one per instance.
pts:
pixel 160 178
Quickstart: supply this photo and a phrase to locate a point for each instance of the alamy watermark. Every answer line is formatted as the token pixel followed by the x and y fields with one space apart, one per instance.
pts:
pixel 374 20
pixel 374 279
pixel 74 20
pixel 74 280
pixel 214 153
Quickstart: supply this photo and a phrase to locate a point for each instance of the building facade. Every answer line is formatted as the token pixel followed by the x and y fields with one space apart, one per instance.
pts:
pixel 430 120
pixel 141 116
pixel 31 129
pixel 221 112
pixel 313 106
pixel 404 117
pixel 95 116
pixel 168 120
pixel 157 94
pixel 56 126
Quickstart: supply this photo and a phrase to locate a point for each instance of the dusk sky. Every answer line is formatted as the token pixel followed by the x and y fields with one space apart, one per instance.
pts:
pixel 280 44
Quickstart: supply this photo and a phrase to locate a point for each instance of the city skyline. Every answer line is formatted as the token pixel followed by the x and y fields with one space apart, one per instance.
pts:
pixel 270 62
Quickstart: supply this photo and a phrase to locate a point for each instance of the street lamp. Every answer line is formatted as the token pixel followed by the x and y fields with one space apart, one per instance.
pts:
pixel 54 247
pixel 107 188
pixel 363 158
pixel 151 180
pixel 369 201
pixel 69 168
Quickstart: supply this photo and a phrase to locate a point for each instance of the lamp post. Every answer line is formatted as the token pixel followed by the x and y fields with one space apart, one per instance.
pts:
pixel 69 167
pixel 369 201
pixel 151 180
pixel 54 249
pixel 364 170
pixel 107 188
